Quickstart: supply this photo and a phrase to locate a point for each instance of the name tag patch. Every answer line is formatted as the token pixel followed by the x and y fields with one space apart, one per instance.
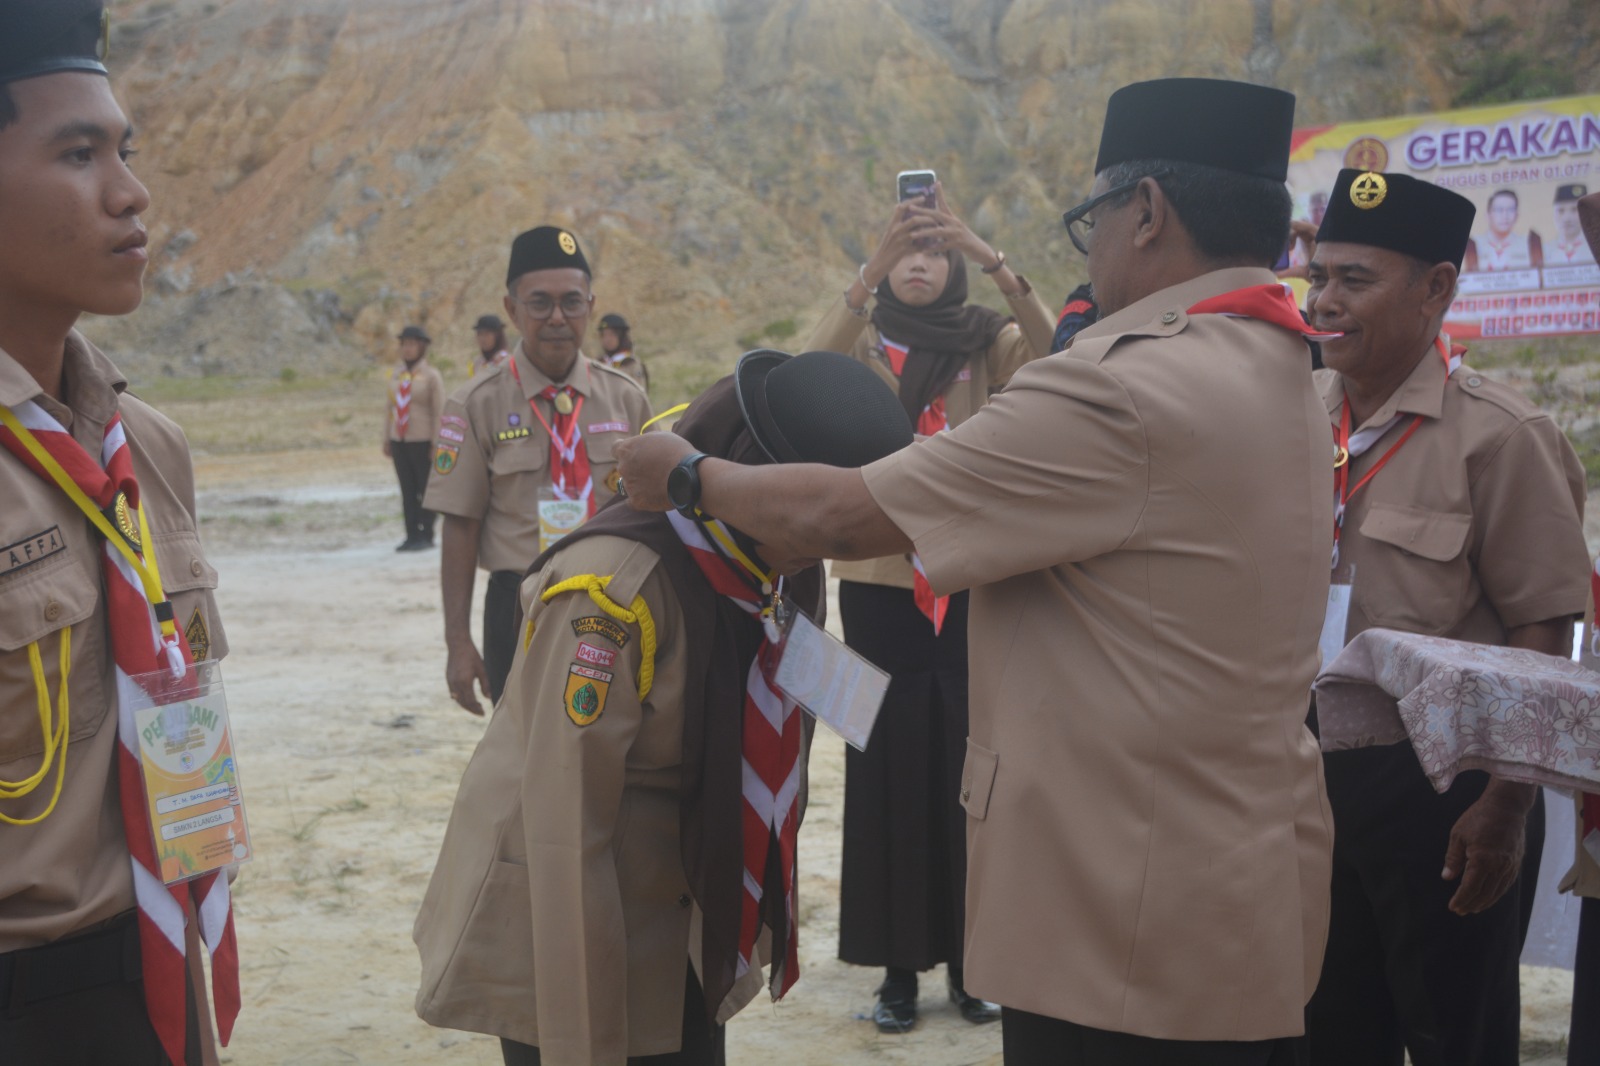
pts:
pixel 30 550
pixel 513 434
pixel 609 427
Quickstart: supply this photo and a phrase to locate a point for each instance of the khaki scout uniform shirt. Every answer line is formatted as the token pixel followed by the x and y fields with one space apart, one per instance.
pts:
pixel 1145 523
pixel 559 914
pixel 1026 339
pixel 427 400
pixel 629 364
pixel 72 870
pixel 1475 526
pixel 499 453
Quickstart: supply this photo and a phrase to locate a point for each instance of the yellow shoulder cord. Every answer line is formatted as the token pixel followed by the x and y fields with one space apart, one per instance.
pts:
pixel 55 743
pixel 149 573
pixel 637 614
pixel 664 414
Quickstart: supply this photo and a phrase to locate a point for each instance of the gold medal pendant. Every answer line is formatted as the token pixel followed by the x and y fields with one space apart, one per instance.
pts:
pixel 121 516
pixel 563 403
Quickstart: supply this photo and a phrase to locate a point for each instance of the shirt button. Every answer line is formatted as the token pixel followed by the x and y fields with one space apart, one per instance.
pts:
pixel 52 611
pixel 966 793
pixel 1473 383
pixel 194 567
pixel 684 900
pixel 1169 317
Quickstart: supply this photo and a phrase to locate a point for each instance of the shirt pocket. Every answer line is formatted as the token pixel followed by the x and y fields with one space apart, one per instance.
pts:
pixel 515 462
pixel 977 779
pixel 1416 575
pixel 38 605
pixel 603 463
pixel 190 583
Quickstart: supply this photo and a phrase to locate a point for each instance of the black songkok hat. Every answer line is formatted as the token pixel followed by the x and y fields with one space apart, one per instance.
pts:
pixel 545 248
pixel 1571 194
pixel 1400 213
pixel 819 407
pixel 49 36
pixel 1230 125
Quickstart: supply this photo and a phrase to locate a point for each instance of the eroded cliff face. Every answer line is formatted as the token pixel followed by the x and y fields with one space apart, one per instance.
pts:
pixel 725 162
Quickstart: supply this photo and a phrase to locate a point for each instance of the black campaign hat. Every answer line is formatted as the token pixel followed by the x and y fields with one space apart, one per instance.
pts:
pixel 613 321
pixel 49 36
pixel 1230 125
pixel 1400 213
pixel 545 248
pixel 488 322
pixel 415 333
pixel 819 407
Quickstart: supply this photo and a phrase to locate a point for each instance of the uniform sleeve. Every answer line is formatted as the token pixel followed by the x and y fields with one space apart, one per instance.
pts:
pixel 1053 470
pixel 837 332
pixel 388 409
pixel 458 483
pixel 1527 504
pixel 578 686
pixel 1031 340
pixel 435 406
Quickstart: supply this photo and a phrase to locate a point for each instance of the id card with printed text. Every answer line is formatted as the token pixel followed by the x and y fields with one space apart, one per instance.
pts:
pixel 833 684
pixel 558 517
pixel 191 784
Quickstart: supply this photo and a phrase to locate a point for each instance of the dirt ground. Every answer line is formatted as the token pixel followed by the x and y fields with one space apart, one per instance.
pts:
pixel 350 752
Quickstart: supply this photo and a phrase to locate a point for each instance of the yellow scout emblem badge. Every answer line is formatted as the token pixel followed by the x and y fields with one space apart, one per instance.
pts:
pixel 198 636
pixel 121 516
pixel 586 693
pixel 563 403
pixel 1368 191
pixel 613 479
pixel 568 245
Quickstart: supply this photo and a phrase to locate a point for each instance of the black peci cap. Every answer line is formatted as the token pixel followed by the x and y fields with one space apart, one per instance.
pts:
pixel 488 322
pixel 415 333
pixel 1230 125
pixel 819 407
pixel 1571 193
pixel 545 248
pixel 1400 213
pixel 40 37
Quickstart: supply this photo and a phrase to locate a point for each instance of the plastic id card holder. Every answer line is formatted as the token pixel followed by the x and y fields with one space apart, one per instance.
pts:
pixel 191 784
pixel 833 684
pixel 1336 618
pixel 558 517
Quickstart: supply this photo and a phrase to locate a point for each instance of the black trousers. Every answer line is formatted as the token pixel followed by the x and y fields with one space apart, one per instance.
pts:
pixel 412 460
pixel 703 1041
pixel 500 627
pixel 80 1002
pixel 1583 1045
pixel 1035 1040
pixel 1402 973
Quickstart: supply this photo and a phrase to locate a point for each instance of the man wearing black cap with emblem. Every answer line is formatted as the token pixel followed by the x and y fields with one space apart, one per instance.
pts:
pixel 100 962
pixel 416 396
pixel 524 456
pixel 490 331
pixel 616 342
pixel 626 830
pixel 1144 524
pixel 1459 513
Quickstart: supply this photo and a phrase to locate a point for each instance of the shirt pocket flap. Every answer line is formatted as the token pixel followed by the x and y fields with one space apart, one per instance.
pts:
pixel 517 455
pixel 977 779
pixel 34 605
pixel 183 566
pixel 1435 535
pixel 602 446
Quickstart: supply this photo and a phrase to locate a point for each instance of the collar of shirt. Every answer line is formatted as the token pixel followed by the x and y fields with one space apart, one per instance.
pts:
pixel 534 381
pixel 1420 394
pixel 93 380
pixel 1179 297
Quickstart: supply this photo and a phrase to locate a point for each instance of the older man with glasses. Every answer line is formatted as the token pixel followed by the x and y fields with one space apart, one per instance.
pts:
pixel 1145 524
pixel 524 456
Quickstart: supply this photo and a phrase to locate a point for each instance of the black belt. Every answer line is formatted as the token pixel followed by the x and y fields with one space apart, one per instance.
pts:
pixel 109 955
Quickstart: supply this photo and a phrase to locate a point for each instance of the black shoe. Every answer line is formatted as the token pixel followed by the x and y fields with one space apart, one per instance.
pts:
pixel 896 1009
pixel 975 1010
pixel 413 546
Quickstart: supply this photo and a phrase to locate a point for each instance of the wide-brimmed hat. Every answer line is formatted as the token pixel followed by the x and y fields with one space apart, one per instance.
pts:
pixel 613 321
pixel 819 407
pixel 488 322
pixel 415 333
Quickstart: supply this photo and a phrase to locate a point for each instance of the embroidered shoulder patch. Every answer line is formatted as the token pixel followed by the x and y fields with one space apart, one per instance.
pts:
pixel 588 653
pixel 586 693
pixel 444 459
pixel 602 626
pixel 198 636
pixel 30 550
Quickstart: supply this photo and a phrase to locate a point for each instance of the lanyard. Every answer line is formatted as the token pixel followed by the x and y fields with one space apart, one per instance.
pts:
pixel 566 449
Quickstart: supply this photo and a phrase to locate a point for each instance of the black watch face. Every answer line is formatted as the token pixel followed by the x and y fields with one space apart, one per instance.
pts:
pixel 680 488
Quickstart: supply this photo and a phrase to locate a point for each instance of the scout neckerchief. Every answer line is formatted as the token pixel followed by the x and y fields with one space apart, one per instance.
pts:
pixel 1348 446
pixel 402 402
pixel 618 358
pixel 144 639
pixel 485 362
pixel 770 741
pixel 932 419
pixel 569 456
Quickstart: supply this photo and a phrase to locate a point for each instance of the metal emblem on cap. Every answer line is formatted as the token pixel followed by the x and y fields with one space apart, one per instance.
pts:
pixel 1368 190
pixel 568 245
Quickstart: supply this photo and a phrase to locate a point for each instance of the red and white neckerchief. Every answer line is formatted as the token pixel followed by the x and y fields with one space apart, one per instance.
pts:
pixel 1349 446
pixel 770 740
pixel 402 402
pixel 143 640
pixel 932 419
pixel 570 478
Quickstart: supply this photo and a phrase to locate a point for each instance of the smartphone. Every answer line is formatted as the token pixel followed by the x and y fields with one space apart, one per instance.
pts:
pixel 914 183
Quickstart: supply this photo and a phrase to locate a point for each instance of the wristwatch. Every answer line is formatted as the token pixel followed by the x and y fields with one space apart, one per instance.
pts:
pixel 683 484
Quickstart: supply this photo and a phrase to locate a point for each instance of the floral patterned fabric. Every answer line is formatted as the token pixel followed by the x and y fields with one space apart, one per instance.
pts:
pixel 1515 713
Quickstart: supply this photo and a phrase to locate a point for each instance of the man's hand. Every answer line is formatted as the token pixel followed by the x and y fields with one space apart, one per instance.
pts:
pixel 388 449
pixel 463 666
pixel 1486 846
pixel 643 464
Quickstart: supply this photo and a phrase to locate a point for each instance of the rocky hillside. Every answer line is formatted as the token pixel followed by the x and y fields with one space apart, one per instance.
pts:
pixel 324 170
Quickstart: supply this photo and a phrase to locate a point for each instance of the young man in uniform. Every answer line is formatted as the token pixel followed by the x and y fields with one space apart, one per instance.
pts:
pixel 98 960
pixel 605 877
pixel 617 342
pixel 1144 523
pixel 1460 514
pixel 490 332
pixel 416 396
pixel 524 455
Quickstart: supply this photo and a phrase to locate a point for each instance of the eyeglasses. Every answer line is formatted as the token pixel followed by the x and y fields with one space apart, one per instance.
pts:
pixel 541 307
pixel 1079 225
